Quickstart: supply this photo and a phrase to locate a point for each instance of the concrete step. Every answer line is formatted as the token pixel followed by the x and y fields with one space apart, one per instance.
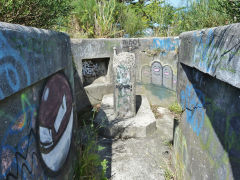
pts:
pixel 165 123
pixel 142 125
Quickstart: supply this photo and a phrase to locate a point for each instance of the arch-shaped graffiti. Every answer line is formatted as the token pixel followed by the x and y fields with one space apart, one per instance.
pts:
pixel 167 77
pixel 14 72
pixel 55 122
pixel 157 73
pixel 146 74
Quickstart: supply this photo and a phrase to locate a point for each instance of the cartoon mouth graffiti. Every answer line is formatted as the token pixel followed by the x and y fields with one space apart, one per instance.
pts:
pixel 156 68
pixel 55 122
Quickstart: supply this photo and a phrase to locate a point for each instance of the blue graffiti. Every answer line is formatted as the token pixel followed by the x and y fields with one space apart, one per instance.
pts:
pixel 165 44
pixel 193 101
pixel 204 51
pixel 19 152
pixel 9 69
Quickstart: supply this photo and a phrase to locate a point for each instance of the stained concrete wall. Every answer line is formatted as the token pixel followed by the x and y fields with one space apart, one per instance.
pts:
pixel 39 86
pixel 156 61
pixel 38 83
pixel 37 109
pixel 206 140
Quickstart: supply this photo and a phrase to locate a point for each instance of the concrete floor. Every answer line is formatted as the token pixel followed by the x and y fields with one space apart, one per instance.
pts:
pixel 146 158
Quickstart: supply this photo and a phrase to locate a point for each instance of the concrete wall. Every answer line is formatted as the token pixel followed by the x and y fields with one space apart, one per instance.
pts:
pixel 39 86
pixel 37 109
pixel 156 60
pixel 37 92
pixel 207 139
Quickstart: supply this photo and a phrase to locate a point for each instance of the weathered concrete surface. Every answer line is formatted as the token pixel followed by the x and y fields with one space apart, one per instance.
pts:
pixel 137 159
pixel 37 109
pixel 165 123
pixel 124 75
pixel 149 52
pixel 28 55
pixel 215 51
pixel 142 125
pixel 206 141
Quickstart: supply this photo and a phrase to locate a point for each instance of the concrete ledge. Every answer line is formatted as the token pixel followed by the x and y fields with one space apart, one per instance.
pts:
pixel 142 125
pixel 215 51
pixel 96 91
pixel 165 123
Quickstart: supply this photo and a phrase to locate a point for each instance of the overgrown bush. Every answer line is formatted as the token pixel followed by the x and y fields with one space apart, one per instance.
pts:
pixel 96 18
pixel 37 13
pixel 114 18
pixel 198 15
pixel 230 8
pixel 133 20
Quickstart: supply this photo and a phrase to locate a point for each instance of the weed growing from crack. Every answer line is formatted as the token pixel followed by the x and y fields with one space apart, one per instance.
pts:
pixel 168 175
pixel 175 108
pixel 169 143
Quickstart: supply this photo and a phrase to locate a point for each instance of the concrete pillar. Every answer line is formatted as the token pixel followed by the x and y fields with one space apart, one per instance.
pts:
pixel 124 70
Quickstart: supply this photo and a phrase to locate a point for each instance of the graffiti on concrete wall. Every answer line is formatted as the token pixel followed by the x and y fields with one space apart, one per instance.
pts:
pixel 19 158
pixel 216 127
pixel 133 43
pixel 37 137
pixel 124 86
pixel 215 51
pixel 165 45
pixel 159 75
pixel 55 122
pixel 14 72
pixel 168 77
pixel 193 100
pixel 92 69
pixel 124 82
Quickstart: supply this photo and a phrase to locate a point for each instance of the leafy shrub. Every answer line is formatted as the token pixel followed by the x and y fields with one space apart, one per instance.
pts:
pixel 96 18
pixel 37 13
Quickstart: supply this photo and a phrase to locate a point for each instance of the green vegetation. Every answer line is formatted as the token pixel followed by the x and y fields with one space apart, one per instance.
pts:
pixel 89 165
pixel 175 108
pixel 200 14
pixel 168 174
pixel 38 13
pixel 114 18
pixel 168 143
pixel 231 8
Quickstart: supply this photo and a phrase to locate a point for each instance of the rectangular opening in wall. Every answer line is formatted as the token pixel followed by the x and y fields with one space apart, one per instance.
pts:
pixel 94 70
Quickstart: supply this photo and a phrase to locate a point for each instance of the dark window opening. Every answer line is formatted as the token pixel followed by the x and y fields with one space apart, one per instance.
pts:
pixel 93 69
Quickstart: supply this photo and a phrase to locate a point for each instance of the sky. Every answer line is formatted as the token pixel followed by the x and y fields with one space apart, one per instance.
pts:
pixel 176 3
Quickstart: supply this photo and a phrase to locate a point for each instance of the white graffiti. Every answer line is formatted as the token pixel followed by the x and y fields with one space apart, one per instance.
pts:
pixel 89 68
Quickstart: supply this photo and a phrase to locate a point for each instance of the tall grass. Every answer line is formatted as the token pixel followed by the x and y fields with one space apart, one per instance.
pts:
pixel 113 18
pixel 95 18
pixel 89 165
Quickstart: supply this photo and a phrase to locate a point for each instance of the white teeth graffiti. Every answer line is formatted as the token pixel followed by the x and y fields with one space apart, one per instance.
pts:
pixel 55 122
